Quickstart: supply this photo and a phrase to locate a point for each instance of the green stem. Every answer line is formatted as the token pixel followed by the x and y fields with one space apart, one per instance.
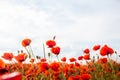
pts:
pixel 116 56
pixel 44 51
pixel 28 52
pixel 30 49
pixel 111 65
pixel 49 55
pixel 22 72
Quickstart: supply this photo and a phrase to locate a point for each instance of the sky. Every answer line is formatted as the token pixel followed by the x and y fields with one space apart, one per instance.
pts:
pixel 77 24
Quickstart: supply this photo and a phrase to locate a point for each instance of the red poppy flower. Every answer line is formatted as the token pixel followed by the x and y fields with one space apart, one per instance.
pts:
pixel 32 60
pixel 110 50
pixel 80 57
pixel 86 51
pixel 71 65
pixel 86 57
pixel 96 47
pixel 85 76
pixel 103 60
pixel 2 64
pixel 11 76
pixel 77 77
pixel 43 60
pixel 50 43
pixel 105 50
pixel 77 64
pixel 55 66
pixel 21 57
pixel 26 42
pixel 43 66
pixel 72 59
pixel 7 56
pixel 55 50
pixel 63 59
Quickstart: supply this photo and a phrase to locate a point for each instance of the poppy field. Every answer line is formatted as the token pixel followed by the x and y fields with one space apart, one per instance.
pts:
pixel 27 66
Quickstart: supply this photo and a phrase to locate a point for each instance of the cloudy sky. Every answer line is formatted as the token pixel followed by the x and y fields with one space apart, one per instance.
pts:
pixel 77 24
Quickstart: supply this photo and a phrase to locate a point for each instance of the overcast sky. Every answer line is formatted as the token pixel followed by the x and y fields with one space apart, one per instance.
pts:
pixel 77 24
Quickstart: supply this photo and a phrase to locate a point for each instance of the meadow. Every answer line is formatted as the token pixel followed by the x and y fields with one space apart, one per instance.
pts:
pixel 101 67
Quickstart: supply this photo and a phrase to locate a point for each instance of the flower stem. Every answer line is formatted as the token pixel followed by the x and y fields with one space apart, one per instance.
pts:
pixel 28 52
pixel 31 51
pixel 44 51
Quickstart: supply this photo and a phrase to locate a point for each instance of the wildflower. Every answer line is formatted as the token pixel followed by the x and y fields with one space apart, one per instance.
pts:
pixel 105 50
pixel 103 60
pixel 86 57
pixel 86 51
pixel 7 56
pixel 84 69
pixel 50 43
pixel 32 60
pixel 77 77
pixel 77 64
pixel 96 47
pixel 55 50
pixel 43 60
pixel 65 71
pixel 71 65
pixel 80 57
pixel 63 59
pixel 86 76
pixel 21 57
pixel 72 59
pixel 43 66
pixel 2 64
pixel 26 42
pixel 56 75
pixel 11 76
pixel 55 66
